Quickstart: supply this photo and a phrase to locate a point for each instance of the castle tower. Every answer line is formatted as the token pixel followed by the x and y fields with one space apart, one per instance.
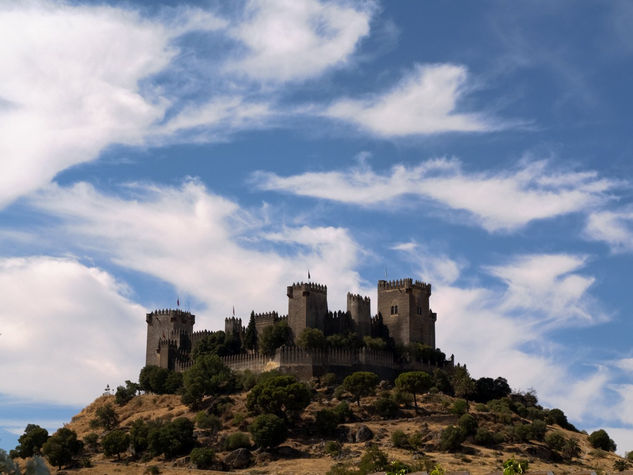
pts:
pixel 404 306
pixel 169 334
pixel 233 325
pixel 307 307
pixel 359 309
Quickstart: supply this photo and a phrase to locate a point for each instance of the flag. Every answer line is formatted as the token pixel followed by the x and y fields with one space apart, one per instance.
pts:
pixel 233 310
pixel 178 301
pixel 308 274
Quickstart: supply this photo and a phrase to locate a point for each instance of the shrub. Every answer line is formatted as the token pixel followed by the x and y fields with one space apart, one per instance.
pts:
pixel 399 439
pixel 570 449
pixel 7 465
pixel 373 460
pixel 600 440
pixel 360 383
pixel 339 392
pixel 268 430
pixel 416 440
pixel 514 467
pixel 246 379
pixel 172 439
pixel 30 443
pixel 556 416
pixel 538 429
pixel 208 376
pixel 203 457
pixel 311 339
pixel 61 447
pixel 555 440
pixel 459 407
pixel 468 424
pixel 273 337
pixel 451 438
pixel 343 412
pixel 91 441
pixel 333 448
pixel 114 443
pixel 237 440
pixel 522 432
pixel 204 420
pixel 125 394
pixel 283 396
pixel 106 417
pixel 328 379
pixel 386 407
pixel 484 437
pixel 620 465
pixel 327 421
pixel 154 379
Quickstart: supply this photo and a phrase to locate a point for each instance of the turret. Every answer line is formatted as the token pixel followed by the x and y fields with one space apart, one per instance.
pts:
pixel 307 307
pixel 359 309
pixel 169 333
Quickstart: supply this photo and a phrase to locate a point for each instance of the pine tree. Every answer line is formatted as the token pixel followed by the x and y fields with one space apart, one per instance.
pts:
pixel 250 339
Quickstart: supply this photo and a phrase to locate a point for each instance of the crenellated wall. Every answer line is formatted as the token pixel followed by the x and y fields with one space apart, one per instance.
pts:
pixel 307 306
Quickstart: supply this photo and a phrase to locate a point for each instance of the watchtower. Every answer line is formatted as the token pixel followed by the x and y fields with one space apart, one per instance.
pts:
pixel 307 307
pixel 404 306
pixel 169 334
pixel 359 309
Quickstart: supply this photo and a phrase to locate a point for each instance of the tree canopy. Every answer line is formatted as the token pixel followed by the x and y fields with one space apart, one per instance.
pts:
pixel 283 396
pixel 414 382
pixel 208 376
pixel 360 383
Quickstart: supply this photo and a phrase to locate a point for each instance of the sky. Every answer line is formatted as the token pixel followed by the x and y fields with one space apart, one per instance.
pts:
pixel 214 152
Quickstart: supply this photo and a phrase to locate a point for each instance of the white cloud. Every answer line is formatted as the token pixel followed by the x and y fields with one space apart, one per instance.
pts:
pixel 615 228
pixel 205 245
pixel 424 102
pixel 70 81
pixel 289 40
pixel 67 330
pixel 431 266
pixel 501 200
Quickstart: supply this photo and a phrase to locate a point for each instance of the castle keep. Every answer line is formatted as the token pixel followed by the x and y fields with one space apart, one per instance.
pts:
pixel 403 307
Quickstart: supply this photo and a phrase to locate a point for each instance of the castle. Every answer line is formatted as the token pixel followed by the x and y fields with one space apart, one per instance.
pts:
pixel 403 307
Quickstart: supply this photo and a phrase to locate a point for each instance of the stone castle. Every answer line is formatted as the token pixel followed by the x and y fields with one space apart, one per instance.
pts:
pixel 403 307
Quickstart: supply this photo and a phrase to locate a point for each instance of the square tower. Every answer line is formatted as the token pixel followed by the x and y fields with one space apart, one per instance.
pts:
pixel 307 307
pixel 404 306
pixel 359 309
pixel 169 334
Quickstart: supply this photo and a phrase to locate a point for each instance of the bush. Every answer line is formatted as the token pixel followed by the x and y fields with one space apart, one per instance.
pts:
pixel 373 460
pixel 360 383
pixel 114 443
pixel 202 457
pixel 620 465
pixel 600 440
pixel 268 430
pixel 468 424
pixel 514 467
pixel 570 449
pixel 208 376
pixel 343 412
pixel 91 441
pixel 399 439
pixel 246 379
pixel 451 438
pixel 125 394
pixel 522 432
pixel 154 379
pixel 327 421
pixel 204 420
pixel 538 430
pixel 386 407
pixel 555 440
pixel 416 440
pixel 106 417
pixel 172 439
pixel 237 440
pixel 311 339
pixel 30 443
pixel 556 416
pixel 333 448
pixel 283 396
pixel 328 379
pixel 61 447
pixel 484 437
pixel 460 406
pixel 273 337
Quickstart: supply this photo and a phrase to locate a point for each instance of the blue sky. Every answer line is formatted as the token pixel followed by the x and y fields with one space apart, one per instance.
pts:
pixel 214 152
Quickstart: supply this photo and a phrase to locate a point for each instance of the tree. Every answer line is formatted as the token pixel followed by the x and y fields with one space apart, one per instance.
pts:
pixel 106 417
pixel 250 337
pixel 375 343
pixel 451 438
pixel 7 465
pixel 61 447
pixel 414 382
pixel 283 396
pixel 208 376
pixel 172 439
pixel 268 430
pixel 124 394
pixel 599 439
pixel 311 339
pixel 114 443
pixel 31 441
pixel 463 384
pixel 154 379
pixel 203 457
pixel 360 383
pixel 273 337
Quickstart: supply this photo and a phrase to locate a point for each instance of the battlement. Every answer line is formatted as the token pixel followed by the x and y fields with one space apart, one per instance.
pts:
pixel 403 284
pixel 357 298
pixel 266 316
pixel 172 313
pixel 307 287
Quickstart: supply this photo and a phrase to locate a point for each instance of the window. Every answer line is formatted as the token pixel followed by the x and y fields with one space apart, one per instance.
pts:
pixel 394 310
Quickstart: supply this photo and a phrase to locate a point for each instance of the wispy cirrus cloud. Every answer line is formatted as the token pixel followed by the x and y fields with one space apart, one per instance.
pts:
pixel 423 102
pixel 613 227
pixel 497 201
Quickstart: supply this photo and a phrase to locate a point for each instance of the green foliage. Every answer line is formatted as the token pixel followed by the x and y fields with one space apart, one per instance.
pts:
pixel 152 470
pixel 328 379
pixel 154 379
pixel 396 467
pixel 416 440
pixel 125 394
pixel 207 377
pixel 385 406
pixel 468 424
pixel 273 337
pixel 437 470
pixel 400 439
pixel 172 438
pixel 246 379
pixel 333 448
pixel 283 396
pixel 202 457
pixel 37 466
pixel 360 383
pixel 484 437
pixel 91 441
pixel 442 382
pixel 414 382
pixel 375 343
pixel 268 430
pixel 7 466
pixel 204 420
pixel 451 438
pixel 514 467
pixel 250 337
pixel 216 343
pixel 106 417
pixel 326 422
pixel 629 456
pixel 30 443
pixel 522 432
pixel 556 416
pixel 599 439
pixel 61 447
pixel 620 465
pixel 487 389
pixel 570 449
pixel 237 440
pixel 343 412
pixel 538 430
pixel 114 443
pixel 555 440
pixel 459 407
pixel 311 339
pixel 463 384
pixel 373 460
pixel 139 434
